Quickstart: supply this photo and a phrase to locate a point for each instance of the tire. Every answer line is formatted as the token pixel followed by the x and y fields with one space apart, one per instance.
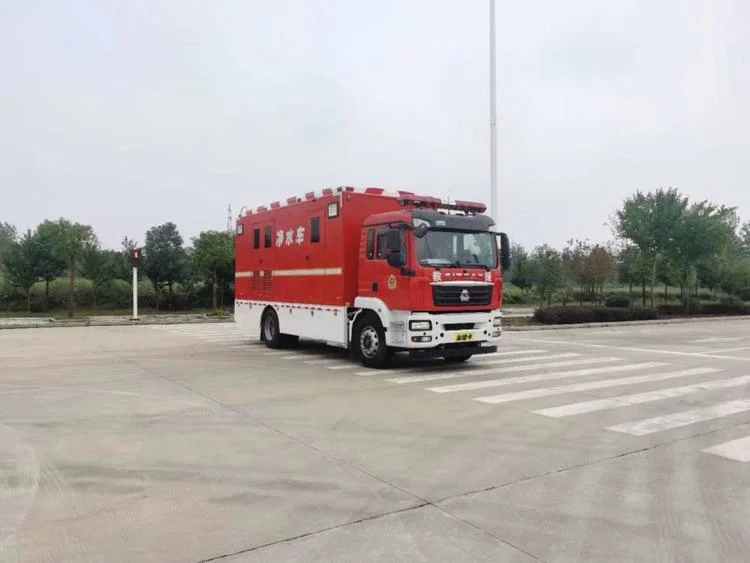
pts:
pixel 457 359
pixel 269 329
pixel 368 343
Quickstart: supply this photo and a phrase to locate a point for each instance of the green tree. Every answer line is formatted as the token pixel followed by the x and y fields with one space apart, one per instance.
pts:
pixel 634 270
pixel 519 274
pixel 705 230
pixel 744 239
pixel 214 255
pixel 22 265
pixel 547 272
pixel 99 267
pixel 7 238
pixel 650 221
pixel 72 241
pixel 53 260
pixel 164 258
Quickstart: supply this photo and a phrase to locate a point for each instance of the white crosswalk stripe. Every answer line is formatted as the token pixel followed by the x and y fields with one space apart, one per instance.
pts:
pixel 682 418
pixel 468 372
pixel 738 450
pixel 639 398
pixel 550 376
pixel 592 385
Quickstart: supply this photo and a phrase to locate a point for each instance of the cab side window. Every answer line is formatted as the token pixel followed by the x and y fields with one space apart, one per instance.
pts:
pixel 370 244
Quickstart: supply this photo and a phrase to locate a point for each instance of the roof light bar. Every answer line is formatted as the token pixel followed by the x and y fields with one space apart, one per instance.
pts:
pixel 436 203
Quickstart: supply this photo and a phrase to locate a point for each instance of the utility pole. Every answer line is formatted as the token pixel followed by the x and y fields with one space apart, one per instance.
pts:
pixel 493 121
pixel 229 219
pixel 135 259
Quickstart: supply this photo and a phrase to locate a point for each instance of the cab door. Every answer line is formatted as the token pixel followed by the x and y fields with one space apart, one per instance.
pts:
pixel 385 272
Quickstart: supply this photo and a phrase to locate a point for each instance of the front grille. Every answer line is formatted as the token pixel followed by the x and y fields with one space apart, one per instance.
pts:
pixel 450 295
pixel 459 326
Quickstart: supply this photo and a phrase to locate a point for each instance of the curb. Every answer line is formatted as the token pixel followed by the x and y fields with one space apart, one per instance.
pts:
pixel 90 322
pixel 627 323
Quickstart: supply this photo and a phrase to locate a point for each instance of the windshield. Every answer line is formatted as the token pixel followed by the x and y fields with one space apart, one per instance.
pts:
pixel 457 249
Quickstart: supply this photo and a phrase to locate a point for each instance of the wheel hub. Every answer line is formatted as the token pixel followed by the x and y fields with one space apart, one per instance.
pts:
pixel 369 342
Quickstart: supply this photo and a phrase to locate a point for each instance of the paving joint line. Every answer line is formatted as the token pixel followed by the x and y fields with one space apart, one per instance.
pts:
pixel 561 470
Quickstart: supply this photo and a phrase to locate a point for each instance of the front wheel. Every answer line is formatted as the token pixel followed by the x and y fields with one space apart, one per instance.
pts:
pixel 368 343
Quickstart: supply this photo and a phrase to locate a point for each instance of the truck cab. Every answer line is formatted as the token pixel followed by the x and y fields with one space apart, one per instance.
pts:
pixel 430 283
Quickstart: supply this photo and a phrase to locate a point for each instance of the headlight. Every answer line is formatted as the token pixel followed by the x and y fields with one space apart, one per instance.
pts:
pixel 497 321
pixel 420 325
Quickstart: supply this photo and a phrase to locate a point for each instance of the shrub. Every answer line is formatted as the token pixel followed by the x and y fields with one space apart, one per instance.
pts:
pixel 618 300
pixel 512 295
pixel 578 315
pixel 744 294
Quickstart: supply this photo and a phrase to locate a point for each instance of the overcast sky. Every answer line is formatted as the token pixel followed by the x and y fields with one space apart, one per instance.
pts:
pixel 125 114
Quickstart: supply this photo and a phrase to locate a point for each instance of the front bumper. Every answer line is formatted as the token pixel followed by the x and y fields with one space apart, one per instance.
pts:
pixel 448 331
pixel 447 351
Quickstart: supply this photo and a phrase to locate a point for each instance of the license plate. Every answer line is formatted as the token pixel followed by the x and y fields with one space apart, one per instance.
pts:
pixel 463 337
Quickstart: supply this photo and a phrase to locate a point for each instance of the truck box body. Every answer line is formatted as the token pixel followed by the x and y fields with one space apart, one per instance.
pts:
pixel 318 263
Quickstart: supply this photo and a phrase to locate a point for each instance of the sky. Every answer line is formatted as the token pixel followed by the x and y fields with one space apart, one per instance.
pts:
pixel 127 114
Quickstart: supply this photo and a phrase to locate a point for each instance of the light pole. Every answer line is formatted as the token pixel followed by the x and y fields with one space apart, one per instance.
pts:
pixel 493 121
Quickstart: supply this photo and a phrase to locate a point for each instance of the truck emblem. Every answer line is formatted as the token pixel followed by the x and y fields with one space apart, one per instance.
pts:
pixel 465 296
pixel 391 282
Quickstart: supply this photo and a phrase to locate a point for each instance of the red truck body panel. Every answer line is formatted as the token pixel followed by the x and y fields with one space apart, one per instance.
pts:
pixel 278 260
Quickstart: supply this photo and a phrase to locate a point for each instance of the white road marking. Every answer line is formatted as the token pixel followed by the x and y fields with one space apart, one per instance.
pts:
pixel 477 372
pixel 683 418
pixel 531 359
pixel 323 362
pixel 541 377
pixel 633 349
pixel 725 350
pixel 738 450
pixel 584 407
pixel 718 339
pixel 469 371
pixel 591 385
pixel 342 366
pixel 508 353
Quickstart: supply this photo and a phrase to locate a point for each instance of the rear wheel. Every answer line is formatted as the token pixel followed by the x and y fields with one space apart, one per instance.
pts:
pixel 368 343
pixel 269 326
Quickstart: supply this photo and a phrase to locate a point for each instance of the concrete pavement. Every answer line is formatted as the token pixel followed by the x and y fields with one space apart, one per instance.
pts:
pixel 194 443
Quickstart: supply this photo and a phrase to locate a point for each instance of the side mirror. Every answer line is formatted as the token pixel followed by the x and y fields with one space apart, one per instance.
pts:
pixel 421 230
pixel 504 252
pixel 395 260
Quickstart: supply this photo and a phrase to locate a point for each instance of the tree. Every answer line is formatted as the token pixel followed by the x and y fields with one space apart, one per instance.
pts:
pixel 744 239
pixel 164 258
pixel 547 273
pixel 519 270
pixel 590 267
pixel 53 260
pixel 71 242
pixel 649 221
pixel 7 238
pixel 99 267
pixel 705 230
pixel 214 254
pixel 634 270
pixel 22 265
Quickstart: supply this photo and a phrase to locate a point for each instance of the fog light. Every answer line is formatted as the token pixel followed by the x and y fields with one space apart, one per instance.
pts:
pixel 421 338
pixel 420 325
pixel 496 333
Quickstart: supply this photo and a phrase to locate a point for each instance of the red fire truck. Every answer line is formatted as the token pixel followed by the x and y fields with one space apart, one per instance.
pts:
pixel 373 272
